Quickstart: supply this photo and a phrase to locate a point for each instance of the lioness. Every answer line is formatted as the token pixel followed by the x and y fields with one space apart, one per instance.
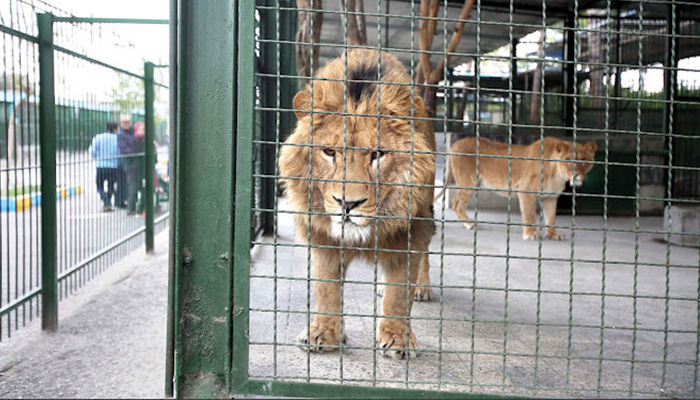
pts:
pixel 525 175
pixel 355 188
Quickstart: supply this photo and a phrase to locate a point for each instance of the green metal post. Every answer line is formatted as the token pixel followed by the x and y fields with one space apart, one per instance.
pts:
pixel 47 133
pixel 207 86
pixel 269 99
pixel 288 86
pixel 150 160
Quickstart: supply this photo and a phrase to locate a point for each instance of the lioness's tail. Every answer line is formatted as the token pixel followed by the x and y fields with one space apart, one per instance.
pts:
pixel 448 179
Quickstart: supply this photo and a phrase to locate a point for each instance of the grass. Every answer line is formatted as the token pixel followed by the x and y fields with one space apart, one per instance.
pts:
pixel 18 191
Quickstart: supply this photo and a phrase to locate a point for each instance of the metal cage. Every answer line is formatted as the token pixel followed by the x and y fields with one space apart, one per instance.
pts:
pixel 611 310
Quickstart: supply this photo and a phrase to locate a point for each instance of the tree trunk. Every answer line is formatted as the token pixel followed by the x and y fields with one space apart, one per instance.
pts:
pixel 427 76
pixel 535 100
pixel 357 29
pixel 597 74
pixel 306 62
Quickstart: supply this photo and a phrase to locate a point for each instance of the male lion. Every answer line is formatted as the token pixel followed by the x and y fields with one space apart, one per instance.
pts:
pixel 525 175
pixel 353 189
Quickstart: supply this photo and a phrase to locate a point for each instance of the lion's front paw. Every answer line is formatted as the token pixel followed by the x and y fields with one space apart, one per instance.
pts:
pixel 423 293
pixel 319 338
pixel 530 234
pixel 393 342
pixel 554 235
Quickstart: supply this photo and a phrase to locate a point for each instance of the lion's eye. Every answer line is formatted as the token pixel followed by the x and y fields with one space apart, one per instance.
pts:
pixel 329 152
pixel 376 154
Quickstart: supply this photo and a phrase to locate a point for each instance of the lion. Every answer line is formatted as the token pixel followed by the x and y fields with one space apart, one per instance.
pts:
pixel 368 192
pixel 526 175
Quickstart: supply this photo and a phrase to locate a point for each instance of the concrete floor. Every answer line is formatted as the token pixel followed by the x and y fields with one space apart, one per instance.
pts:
pixel 110 342
pixel 497 352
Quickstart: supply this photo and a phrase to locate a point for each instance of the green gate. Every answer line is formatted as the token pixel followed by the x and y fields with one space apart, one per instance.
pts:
pixel 612 310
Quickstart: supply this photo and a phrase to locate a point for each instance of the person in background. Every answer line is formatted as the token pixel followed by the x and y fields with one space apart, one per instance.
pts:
pixel 125 140
pixel 105 151
pixel 135 170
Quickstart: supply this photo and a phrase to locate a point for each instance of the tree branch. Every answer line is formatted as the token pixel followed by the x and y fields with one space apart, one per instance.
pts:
pixel 304 35
pixel 437 73
pixel 425 41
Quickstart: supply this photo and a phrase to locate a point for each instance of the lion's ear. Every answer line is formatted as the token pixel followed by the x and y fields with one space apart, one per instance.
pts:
pixel 302 104
pixel 562 147
pixel 591 147
pixel 294 155
pixel 418 107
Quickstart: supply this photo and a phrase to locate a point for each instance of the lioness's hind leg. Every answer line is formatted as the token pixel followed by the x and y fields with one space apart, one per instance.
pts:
pixel 459 204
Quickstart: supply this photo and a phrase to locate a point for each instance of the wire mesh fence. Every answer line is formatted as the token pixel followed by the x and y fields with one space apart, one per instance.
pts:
pixel 99 147
pixel 585 109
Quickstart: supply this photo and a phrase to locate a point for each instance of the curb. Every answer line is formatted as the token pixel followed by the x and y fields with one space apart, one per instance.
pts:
pixel 27 201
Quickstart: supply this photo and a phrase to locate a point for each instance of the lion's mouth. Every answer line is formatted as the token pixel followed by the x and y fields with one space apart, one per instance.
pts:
pixel 576 181
pixel 349 231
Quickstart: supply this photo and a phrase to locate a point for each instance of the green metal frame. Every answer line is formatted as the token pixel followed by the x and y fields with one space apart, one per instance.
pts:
pixel 206 89
pixel 112 20
pixel 211 258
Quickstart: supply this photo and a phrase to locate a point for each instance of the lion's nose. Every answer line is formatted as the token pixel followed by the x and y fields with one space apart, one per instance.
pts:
pixel 349 204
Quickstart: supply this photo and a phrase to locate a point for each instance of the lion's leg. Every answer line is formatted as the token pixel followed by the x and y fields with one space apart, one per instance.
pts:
pixel 459 204
pixel 394 335
pixel 550 215
pixel 324 334
pixel 423 292
pixel 528 203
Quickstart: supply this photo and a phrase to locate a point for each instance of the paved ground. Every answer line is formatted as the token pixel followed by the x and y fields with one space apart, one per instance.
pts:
pixel 111 341
pixel 490 345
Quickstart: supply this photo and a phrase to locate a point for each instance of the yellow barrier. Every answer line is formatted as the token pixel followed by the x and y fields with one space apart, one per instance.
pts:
pixel 23 202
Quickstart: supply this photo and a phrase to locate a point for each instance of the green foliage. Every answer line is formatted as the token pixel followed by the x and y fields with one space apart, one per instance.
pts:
pixel 19 191
pixel 128 93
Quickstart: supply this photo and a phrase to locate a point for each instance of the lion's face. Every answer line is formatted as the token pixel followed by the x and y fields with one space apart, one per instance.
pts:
pixel 575 172
pixel 354 173
pixel 354 176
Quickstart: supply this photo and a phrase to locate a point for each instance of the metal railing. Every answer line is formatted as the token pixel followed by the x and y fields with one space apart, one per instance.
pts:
pixel 57 106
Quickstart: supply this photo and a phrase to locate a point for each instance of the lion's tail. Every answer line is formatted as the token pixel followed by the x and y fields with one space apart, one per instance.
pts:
pixel 447 182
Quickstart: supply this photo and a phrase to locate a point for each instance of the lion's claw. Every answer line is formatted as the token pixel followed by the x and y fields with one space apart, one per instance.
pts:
pixel 423 293
pixel 555 236
pixel 531 234
pixel 324 339
pixel 395 346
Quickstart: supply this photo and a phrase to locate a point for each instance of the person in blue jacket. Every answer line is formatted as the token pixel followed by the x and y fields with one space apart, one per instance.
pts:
pixel 105 151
